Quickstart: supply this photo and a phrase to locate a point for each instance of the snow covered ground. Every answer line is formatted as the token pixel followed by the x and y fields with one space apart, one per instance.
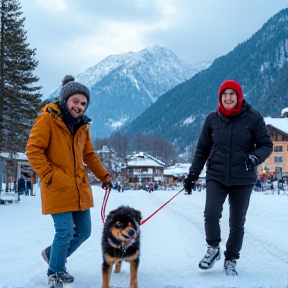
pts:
pixel 172 243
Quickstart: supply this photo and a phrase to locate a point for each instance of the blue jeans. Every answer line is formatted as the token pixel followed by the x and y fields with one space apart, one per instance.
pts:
pixel 65 240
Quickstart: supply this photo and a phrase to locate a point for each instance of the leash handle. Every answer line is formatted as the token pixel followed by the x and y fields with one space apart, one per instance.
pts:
pixel 145 220
pixel 106 196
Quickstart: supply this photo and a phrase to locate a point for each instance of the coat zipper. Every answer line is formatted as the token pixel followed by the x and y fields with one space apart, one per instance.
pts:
pixel 230 146
pixel 75 172
pixel 73 151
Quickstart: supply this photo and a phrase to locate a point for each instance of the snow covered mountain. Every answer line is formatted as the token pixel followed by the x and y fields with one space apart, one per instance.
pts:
pixel 260 64
pixel 123 86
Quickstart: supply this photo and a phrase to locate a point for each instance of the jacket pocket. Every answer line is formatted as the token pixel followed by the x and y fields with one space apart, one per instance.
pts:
pixel 47 179
pixel 245 156
pixel 60 180
pixel 210 158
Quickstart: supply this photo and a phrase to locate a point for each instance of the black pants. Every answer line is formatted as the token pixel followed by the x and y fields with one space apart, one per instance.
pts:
pixel 239 197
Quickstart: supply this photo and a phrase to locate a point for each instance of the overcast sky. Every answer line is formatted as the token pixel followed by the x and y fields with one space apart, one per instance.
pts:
pixel 72 35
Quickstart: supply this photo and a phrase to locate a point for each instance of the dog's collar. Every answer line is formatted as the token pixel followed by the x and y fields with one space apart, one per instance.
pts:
pixel 122 247
pixel 112 244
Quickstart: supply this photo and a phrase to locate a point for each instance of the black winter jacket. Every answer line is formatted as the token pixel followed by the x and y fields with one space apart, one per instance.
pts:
pixel 226 142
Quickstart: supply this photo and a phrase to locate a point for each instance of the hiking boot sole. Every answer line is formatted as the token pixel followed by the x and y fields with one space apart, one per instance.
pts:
pixel 211 265
pixel 44 256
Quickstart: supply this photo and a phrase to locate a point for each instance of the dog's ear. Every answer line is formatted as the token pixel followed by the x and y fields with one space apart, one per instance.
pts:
pixel 111 216
pixel 138 216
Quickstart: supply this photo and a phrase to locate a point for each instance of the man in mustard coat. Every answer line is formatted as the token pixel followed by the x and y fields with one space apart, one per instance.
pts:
pixel 58 146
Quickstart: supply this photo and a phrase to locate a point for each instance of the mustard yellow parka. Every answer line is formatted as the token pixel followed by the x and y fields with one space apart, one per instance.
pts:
pixel 58 158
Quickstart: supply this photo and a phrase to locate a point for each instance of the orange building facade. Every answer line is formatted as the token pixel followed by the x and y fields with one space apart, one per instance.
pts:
pixel 278 160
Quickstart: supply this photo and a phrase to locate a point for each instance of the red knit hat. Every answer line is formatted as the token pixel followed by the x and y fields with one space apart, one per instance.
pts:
pixel 230 84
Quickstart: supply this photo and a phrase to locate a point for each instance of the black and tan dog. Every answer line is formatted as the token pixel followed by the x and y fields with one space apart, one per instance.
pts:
pixel 121 241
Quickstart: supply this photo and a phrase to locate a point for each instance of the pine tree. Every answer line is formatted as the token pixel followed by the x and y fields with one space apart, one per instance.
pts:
pixel 20 98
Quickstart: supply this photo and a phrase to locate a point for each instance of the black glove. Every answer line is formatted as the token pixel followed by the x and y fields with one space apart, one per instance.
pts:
pixel 251 162
pixel 189 182
pixel 107 185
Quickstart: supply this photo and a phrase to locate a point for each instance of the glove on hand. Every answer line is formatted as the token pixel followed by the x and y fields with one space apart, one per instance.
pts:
pixel 189 182
pixel 106 185
pixel 251 162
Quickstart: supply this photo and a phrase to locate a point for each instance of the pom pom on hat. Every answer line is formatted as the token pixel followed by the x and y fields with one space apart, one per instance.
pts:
pixel 71 87
pixel 67 78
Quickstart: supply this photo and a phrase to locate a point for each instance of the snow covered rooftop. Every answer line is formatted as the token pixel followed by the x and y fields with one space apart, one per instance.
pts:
pixel 142 159
pixel 18 156
pixel 284 110
pixel 180 169
pixel 279 123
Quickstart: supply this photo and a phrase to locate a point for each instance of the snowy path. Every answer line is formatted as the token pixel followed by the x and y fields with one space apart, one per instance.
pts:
pixel 172 243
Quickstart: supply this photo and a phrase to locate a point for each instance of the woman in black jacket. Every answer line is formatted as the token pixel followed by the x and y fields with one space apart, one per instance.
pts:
pixel 233 141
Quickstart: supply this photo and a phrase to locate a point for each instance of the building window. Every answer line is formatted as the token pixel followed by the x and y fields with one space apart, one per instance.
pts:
pixel 278 148
pixel 279 137
pixel 278 169
pixel 278 159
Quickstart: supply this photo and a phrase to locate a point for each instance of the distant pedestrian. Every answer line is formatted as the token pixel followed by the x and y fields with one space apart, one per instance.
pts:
pixel 156 186
pixel 25 191
pixel 28 187
pixel 151 187
pixel 21 185
pixel 234 140
pixel 258 185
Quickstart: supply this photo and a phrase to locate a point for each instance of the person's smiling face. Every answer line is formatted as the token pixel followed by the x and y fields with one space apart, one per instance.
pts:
pixel 76 105
pixel 229 99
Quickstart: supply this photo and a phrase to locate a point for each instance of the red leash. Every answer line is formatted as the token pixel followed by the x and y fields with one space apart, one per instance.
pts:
pixel 107 191
pixel 142 222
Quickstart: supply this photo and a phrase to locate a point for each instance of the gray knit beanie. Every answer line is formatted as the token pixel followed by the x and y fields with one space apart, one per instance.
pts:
pixel 70 87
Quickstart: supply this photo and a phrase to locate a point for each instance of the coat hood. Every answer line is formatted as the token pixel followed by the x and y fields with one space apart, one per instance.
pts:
pixel 55 111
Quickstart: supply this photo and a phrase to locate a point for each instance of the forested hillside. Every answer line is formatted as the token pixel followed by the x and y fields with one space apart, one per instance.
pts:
pixel 259 64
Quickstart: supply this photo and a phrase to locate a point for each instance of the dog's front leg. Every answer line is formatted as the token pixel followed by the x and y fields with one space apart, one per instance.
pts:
pixel 106 273
pixel 118 266
pixel 133 273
